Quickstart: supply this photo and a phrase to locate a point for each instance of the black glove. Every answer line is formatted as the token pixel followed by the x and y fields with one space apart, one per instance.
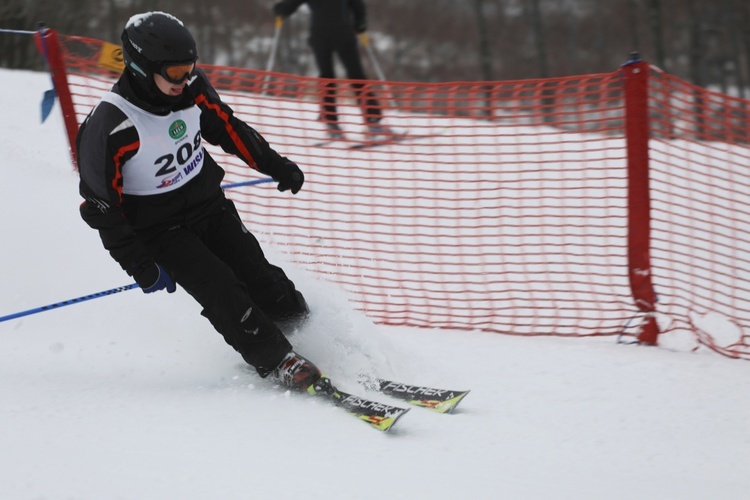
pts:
pixel 290 177
pixel 152 278
pixel 278 10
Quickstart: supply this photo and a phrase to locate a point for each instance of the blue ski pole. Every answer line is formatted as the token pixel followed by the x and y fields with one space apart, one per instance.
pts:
pixel 246 183
pixel 113 290
pixel 68 302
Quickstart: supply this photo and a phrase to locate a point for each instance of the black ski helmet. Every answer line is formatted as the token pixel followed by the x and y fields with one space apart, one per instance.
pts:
pixel 153 39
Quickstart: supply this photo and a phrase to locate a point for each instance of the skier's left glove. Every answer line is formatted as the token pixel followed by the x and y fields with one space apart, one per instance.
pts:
pixel 290 177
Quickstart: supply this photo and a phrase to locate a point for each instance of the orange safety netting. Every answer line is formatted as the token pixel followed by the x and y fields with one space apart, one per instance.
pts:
pixel 593 205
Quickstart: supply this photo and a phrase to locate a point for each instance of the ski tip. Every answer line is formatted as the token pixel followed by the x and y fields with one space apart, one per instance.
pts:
pixel 450 405
pixel 441 405
pixel 438 400
pixel 385 423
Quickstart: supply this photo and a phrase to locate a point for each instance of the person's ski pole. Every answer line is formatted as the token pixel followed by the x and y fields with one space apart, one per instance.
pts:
pixel 272 58
pixel 119 289
pixel 276 35
pixel 246 183
pixel 371 53
pixel 68 302
pixel 365 40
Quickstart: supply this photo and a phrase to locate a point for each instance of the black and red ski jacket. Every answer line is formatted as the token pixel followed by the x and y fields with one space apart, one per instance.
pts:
pixel 105 143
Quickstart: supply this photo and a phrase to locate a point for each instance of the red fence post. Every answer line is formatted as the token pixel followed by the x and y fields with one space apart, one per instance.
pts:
pixel 50 48
pixel 637 135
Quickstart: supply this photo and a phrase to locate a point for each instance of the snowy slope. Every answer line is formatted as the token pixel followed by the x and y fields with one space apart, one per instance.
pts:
pixel 136 397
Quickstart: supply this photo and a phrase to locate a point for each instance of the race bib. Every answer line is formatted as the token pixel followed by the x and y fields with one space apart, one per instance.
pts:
pixel 170 152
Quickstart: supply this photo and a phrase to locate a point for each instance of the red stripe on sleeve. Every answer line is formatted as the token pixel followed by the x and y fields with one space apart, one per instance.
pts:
pixel 117 180
pixel 246 156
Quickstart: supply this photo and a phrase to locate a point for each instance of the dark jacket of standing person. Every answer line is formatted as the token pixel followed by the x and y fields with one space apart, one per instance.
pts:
pixel 334 25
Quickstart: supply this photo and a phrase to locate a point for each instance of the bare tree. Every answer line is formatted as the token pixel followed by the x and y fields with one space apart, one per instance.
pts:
pixel 657 25
pixel 731 16
pixel 537 28
pixel 706 42
pixel 484 46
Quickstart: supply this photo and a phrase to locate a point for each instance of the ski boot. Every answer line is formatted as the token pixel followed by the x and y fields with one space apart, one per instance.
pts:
pixel 296 373
pixel 334 132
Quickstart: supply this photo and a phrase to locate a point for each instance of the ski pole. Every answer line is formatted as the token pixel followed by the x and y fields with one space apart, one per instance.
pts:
pixel 119 289
pixel 276 34
pixel 371 53
pixel 68 302
pixel 17 32
pixel 246 183
pixel 378 70
pixel 272 57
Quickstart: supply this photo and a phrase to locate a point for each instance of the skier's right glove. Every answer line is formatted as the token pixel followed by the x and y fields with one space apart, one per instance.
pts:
pixel 153 278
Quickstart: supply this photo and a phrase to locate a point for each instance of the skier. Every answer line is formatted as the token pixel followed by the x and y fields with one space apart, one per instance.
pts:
pixel 153 193
pixel 334 25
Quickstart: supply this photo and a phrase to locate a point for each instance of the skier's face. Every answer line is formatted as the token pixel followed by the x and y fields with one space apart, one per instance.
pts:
pixel 168 88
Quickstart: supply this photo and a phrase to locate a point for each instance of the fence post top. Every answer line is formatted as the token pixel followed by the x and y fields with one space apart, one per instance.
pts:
pixel 635 58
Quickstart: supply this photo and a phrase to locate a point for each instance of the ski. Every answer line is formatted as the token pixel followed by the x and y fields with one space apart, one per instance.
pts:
pixel 361 144
pixel 373 142
pixel 387 140
pixel 333 137
pixel 329 142
pixel 378 415
pixel 439 400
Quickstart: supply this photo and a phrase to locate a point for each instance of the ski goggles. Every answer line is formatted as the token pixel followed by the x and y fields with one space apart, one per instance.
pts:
pixel 177 73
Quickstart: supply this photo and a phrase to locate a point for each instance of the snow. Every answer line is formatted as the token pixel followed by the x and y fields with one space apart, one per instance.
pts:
pixel 139 19
pixel 136 397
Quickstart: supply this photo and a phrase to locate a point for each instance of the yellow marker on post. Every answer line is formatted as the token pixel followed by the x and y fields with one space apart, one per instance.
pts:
pixel 110 57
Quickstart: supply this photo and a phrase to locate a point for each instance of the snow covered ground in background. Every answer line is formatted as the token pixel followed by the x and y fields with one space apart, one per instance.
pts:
pixel 136 397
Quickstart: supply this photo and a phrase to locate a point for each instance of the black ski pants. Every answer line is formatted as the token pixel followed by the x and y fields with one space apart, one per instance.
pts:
pixel 346 48
pixel 221 264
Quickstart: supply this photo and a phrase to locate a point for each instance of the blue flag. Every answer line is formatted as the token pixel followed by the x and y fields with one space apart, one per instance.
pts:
pixel 48 101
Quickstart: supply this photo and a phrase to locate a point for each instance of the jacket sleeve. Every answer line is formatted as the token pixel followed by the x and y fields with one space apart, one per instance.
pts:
pixel 286 8
pixel 104 143
pixel 220 127
pixel 359 14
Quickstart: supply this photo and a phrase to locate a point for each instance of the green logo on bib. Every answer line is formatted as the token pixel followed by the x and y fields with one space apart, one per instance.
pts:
pixel 177 129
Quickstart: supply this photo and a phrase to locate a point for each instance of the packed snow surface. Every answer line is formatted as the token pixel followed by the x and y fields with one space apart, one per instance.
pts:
pixel 135 396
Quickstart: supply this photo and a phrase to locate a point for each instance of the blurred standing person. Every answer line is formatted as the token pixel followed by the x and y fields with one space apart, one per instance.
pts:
pixel 334 26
